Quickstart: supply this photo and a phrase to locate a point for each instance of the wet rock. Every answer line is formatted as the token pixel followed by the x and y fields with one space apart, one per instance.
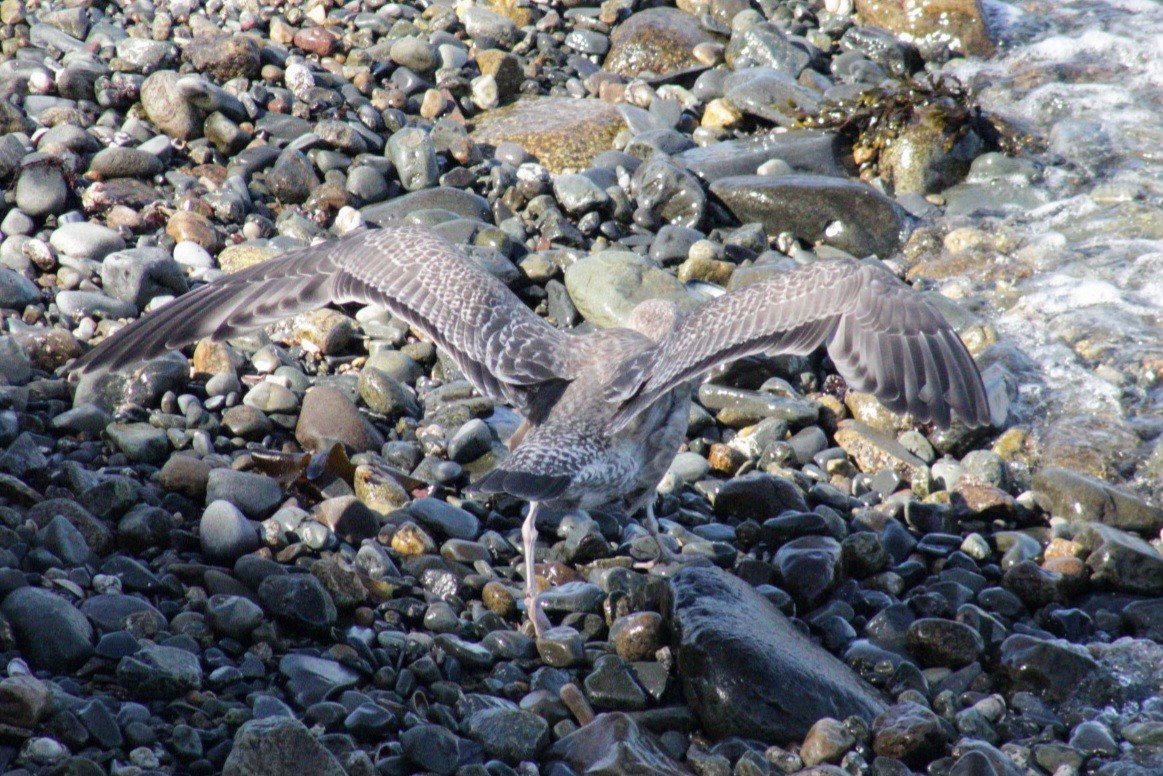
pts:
pixel 157 672
pixel 300 600
pixel 846 214
pixel 938 642
pixel 279 746
pixel 939 29
pixel 511 735
pixel 1073 496
pixel 1123 561
pixel 827 742
pixel 51 633
pixel 167 107
pixel 757 496
pixel 24 699
pixel 910 732
pixel 666 190
pixel 329 415
pixel 765 45
pixel 431 748
pixel 737 654
pixel 637 636
pixel 806 150
pixel 873 451
pixel 607 286
pixel 1051 668
pixel 770 94
pixel 930 154
pixel 656 42
pixel 445 519
pixel 614 743
pixel 561 133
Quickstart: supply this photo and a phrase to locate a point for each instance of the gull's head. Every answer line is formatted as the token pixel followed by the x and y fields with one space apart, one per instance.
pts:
pixel 655 318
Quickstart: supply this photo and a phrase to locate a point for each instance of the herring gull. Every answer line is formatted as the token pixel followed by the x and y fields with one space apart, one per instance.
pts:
pixel 605 412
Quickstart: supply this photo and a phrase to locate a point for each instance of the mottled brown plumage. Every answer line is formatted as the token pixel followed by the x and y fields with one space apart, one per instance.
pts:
pixel 606 411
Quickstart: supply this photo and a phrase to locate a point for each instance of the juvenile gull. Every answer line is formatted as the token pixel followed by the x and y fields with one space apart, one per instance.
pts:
pixel 605 412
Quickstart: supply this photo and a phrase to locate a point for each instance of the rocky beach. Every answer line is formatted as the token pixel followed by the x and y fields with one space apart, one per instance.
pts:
pixel 262 556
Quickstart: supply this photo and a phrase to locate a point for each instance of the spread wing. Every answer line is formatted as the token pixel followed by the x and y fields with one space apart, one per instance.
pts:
pixel 884 338
pixel 504 349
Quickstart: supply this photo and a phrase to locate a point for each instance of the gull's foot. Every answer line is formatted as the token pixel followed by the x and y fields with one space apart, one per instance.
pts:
pixel 537 616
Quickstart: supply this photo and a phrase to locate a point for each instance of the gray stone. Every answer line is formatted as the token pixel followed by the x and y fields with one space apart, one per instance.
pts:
pixel 607 286
pixel 50 632
pixel 279 746
pixel 140 274
pixel 225 533
pixel 87 241
pixel 41 189
pixel 847 214
pixel 747 671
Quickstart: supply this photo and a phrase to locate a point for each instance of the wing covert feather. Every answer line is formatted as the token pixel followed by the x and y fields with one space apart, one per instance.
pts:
pixel 883 337
pixel 504 349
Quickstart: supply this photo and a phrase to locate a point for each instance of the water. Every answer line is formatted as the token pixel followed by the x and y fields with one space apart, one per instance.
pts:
pixel 1074 281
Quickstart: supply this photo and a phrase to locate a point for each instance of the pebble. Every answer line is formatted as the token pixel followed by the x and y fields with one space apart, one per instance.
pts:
pixel 594 157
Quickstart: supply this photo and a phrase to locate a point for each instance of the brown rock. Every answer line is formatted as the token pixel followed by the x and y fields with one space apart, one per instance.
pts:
pixel 188 225
pixel 168 109
pixel 657 40
pixel 328 414
pixel 234 258
pixel 725 459
pixel 562 132
pixel 24 699
pixel 410 539
pixel 215 358
pixel 939 28
pixel 324 331
pixel 316 40
pixel 348 518
pixel 225 56
pixel 380 492
pixel 873 451
pixel 341 582
pixel 505 68
pixel 187 475
pixel 499 600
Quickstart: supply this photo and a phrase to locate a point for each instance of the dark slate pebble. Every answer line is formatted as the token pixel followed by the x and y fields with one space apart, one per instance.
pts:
pixel 431 748
pixel 810 207
pixel 940 642
pixel 614 743
pixel 255 494
pixel 299 600
pixel 758 496
pixel 909 732
pixel 747 671
pixel 157 672
pixel 50 632
pixel 279 746
pixel 225 533
pixel 444 519
pixel 511 735
pixel 1053 669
